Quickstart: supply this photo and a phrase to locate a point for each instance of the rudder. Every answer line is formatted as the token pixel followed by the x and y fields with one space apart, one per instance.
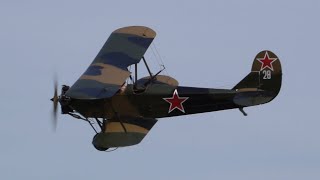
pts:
pixel 263 83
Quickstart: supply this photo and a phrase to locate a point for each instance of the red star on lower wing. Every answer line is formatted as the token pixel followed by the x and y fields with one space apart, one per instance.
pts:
pixel 266 62
pixel 176 102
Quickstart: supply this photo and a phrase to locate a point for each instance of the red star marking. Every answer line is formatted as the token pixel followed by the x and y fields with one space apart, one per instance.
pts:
pixel 176 102
pixel 266 62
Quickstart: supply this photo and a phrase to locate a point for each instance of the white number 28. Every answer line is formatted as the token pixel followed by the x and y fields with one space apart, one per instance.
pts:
pixel 266 74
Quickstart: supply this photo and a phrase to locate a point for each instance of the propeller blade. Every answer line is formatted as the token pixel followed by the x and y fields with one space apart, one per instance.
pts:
pixel 55 100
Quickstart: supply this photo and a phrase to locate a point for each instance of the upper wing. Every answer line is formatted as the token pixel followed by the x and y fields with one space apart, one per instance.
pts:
pixel 108 71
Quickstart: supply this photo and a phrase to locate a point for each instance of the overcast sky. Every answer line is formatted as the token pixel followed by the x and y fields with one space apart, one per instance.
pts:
pixel 203 44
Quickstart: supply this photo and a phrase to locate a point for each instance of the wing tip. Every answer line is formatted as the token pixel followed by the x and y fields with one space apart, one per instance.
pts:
pixel 141 31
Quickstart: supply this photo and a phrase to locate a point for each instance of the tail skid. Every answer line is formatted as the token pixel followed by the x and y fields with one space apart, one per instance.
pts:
pixel 263 83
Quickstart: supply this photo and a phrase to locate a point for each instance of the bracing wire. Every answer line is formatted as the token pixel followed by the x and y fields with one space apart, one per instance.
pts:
pixel 158 57
pixel 155 55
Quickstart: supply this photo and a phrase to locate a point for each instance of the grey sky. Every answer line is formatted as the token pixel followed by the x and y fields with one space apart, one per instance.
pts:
pixel 203 43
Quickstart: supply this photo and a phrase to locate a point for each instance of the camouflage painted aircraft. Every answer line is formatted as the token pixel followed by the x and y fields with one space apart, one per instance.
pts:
pixel 126 112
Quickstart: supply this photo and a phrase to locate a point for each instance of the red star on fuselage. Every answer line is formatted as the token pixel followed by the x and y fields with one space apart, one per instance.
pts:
pixel 176 102
pixel 266 62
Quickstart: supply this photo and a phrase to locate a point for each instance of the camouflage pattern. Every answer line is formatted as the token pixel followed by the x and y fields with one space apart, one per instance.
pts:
pixel 143 107
pixel 252 90
pixel 159 79
pixel 131 112
pixel 108 71
pixel 115 135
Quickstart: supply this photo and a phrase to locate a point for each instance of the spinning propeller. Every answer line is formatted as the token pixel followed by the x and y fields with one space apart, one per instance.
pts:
pixel 55 101
pixel 63 100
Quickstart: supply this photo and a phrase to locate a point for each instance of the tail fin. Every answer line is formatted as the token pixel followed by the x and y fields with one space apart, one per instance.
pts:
pixel 263 83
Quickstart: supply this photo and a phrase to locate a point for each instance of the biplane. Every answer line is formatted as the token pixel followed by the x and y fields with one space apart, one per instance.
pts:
pixel 123 113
